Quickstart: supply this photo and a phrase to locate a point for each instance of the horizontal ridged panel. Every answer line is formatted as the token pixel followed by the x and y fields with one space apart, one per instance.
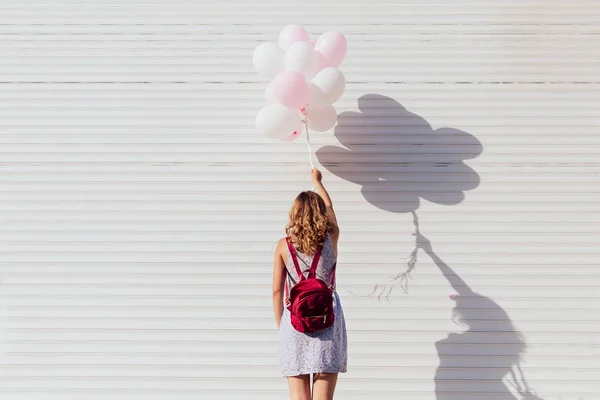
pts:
pixel 140 209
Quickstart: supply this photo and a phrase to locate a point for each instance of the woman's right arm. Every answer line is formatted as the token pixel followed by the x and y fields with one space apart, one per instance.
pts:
pixel 335 230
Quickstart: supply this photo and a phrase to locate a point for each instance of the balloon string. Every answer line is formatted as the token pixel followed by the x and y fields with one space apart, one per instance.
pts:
pixel 310 158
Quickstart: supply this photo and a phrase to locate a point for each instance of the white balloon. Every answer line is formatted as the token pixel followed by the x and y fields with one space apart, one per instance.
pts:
pixel 327 86
pixel 268 59
pixel 316 96
pixel 301 57
pixel 277 121
pixel 321 118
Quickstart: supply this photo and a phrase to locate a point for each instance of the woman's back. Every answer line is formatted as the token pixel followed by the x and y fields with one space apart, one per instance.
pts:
pixel 325 267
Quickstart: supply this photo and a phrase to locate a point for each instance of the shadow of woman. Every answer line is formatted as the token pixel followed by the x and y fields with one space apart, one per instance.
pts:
pixel 482 361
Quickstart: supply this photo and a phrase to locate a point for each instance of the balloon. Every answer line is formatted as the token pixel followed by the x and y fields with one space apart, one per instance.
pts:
pixel 301 57
pixel 333 46
pixel 321 62
pixel 270 96
pixel 291 34
pixel 316 97
pixel 293 136
pixel 277 121
pixel 290 89
pixel 268 59
pixel 321 118
pixel 327 86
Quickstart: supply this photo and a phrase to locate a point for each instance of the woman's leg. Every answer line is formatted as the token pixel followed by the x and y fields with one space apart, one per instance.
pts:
pixel 324 386
pixel 299 387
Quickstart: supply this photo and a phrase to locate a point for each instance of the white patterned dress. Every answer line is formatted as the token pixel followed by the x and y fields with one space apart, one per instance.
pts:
pixel 322 351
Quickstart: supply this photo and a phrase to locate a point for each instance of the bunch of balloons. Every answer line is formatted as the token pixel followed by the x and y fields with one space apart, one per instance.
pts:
pixel 305 82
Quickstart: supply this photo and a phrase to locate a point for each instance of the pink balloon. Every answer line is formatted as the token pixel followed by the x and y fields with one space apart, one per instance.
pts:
pixel 321 62
pixel 291 34
pixel 332 45
pixel 290 89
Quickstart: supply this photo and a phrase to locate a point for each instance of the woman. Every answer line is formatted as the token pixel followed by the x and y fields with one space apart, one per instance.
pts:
pixel 323 353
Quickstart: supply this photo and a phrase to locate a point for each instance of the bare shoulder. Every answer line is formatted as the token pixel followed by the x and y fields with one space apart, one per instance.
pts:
pixel 282 244
pixel 282 247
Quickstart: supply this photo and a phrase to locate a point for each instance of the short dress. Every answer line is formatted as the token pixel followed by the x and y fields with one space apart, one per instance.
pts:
pixel 323 351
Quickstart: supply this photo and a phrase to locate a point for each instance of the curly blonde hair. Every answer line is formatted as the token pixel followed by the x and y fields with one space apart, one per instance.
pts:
pixel 309 224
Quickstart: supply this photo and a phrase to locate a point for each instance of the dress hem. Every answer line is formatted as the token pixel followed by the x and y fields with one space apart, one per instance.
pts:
pixel 325 371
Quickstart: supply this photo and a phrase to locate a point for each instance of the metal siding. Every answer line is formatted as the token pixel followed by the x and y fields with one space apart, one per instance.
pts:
pixel 139 208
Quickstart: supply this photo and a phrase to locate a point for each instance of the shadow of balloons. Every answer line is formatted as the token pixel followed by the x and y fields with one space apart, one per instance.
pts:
pixel 398 159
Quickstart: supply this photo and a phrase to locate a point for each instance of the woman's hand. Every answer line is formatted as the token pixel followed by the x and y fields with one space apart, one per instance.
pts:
pixel 316 176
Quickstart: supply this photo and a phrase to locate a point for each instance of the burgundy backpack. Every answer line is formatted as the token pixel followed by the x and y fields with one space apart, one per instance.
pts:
pixel 310 300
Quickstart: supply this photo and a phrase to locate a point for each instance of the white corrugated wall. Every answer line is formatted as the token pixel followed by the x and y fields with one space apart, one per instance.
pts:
pixel 139 208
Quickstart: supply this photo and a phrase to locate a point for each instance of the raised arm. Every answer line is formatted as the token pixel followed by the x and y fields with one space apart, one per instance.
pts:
pixel 457 283
pixel 317 178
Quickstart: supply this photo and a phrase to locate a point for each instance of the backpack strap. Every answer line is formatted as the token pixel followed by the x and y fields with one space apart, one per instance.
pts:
pixel 287 277
pixel 287 289
pixel 294 258
pixel 315 263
